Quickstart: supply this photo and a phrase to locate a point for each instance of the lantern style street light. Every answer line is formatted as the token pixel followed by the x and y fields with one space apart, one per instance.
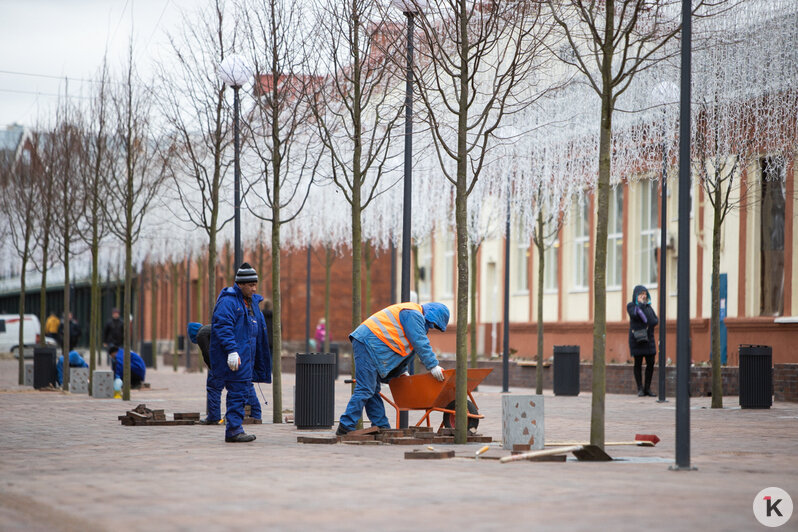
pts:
pixel 234 71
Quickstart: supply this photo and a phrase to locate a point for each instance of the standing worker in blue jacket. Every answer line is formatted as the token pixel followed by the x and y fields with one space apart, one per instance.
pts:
pixel 239 347
pixel 383 347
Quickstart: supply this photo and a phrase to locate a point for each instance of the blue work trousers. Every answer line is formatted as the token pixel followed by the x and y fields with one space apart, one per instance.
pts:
pixel 213 404
pixel 367 392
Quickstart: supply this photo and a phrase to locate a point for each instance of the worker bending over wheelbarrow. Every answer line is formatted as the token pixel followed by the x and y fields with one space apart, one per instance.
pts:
pixel 384 346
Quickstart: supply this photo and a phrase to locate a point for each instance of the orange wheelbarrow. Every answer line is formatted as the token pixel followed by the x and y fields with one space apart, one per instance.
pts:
pixel 423 392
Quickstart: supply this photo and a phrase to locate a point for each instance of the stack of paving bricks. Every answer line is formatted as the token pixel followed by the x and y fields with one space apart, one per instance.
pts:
pixel 248 419
pixel 141 415
pixel 407 436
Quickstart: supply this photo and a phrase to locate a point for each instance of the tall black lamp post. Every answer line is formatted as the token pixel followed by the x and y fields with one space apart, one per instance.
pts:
pixel 410 8
pixel 234 71
pixel 664 93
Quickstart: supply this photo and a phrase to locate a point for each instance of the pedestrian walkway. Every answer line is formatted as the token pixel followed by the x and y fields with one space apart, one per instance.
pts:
pixel 66 463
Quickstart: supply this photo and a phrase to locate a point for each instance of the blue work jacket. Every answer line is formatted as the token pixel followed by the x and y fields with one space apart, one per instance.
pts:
pixel 416 325
pixel 234 329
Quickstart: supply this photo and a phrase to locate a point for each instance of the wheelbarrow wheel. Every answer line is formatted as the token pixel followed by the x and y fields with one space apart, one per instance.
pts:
pixel 448 419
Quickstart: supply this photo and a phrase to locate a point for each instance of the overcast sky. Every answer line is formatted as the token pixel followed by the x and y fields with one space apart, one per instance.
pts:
pixel 44 41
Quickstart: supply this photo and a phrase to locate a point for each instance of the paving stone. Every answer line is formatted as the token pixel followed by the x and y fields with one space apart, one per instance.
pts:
pixel 102 384
pixel 522 420
pixel 79 380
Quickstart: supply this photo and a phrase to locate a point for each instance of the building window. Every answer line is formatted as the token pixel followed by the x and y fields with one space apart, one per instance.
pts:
pixel 649 233
pixel 521 267
pixel 615 240
pixel 425 272
pixel 774 196
pixel 581 244
pixel 448 267
pixel 550 267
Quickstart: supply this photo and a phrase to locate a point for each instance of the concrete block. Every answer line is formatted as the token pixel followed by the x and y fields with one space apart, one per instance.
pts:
pixel 79 380
pixel 522 421
pixel 28 373
pixel 102 385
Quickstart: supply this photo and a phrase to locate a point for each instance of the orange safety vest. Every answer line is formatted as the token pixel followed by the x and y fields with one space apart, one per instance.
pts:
pixel 386 326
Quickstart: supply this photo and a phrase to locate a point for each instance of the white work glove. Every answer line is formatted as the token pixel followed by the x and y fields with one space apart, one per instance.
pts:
pixel 233 361
pixel 437 372
pixel 405 374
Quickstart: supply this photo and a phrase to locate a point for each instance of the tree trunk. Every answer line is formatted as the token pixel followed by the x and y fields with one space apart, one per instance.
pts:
pixel 472 330
pixel 717 382
pixel 67 322
pixel 540 244
pixel 154 314
pixel 21 344
pixel 95 309
pixel 277 337
pixel 369 260
pixel 127 306
pixel 175 298
pixel 328 260
pixel 600 266
pixel 43 288
pixel 461 220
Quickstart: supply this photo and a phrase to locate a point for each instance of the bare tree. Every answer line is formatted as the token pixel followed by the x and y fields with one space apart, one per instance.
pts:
pixel 474 58
pixel 354 110
pixel 609 43
pixel 279 138
pixel 94 168
pixel 193 103
pixel 19 201
pixel 136 176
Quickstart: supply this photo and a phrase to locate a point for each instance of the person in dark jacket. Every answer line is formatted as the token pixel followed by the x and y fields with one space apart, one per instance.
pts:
pixel 239 351
pixel 383 347
pixel 642 318
pixel 138 369
pixel 201 335
pixel 74 333
pixel 113 333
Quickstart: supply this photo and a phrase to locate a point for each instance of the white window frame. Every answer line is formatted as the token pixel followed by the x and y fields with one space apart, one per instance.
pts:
pixel 551 283
pixel 581 262
pixel 448 266
pixel 615 240
pixel 521 270
pixel 649 232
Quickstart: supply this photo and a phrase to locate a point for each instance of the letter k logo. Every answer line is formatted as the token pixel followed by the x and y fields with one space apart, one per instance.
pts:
pixel 772 506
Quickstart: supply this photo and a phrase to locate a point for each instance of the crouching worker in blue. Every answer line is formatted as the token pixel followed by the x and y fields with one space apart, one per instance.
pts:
pixel 239 347
pixel 201 335
pixel 75 361
pixel 138 369
pixel 384 346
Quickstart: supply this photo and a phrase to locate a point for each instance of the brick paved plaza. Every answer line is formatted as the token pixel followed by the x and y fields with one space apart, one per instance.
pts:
pixel 66 463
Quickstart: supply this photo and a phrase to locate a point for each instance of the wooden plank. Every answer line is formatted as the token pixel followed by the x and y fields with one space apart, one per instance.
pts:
pixel 357 437
pixel 251 421
pixel 405 441
pixel 428 455
pixel 167 422
pixel 443 439
pixel 361 432
pixel 480 439
pixel 545 452
pixel 317 439
pixel 187 415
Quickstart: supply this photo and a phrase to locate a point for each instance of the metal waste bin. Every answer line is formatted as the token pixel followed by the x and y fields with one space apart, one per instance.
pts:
pixel 146 353
pixel 566 370
pixel 314 395
pixel 335 349
pixel 756 376
pixel 44 369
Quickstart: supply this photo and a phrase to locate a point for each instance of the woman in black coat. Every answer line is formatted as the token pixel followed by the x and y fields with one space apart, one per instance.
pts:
pixel 642 318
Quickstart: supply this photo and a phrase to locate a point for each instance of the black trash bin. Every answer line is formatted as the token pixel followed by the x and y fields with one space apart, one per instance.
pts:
pixel 314 396
pixel 335 349
pixel 756 376
pixel 44 371
pixel 566 370
pixel 146 353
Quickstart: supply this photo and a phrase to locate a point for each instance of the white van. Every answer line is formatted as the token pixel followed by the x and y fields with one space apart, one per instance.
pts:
pixel 9 333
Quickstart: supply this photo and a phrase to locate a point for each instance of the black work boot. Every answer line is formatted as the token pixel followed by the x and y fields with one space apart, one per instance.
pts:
pixel 647 392
pixel 241 437
pixel 640 392
pixel 341 430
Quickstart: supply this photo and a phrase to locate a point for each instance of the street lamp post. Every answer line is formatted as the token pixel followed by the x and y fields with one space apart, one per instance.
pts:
pixel 410 9
pixel 664 93
pixel 234 71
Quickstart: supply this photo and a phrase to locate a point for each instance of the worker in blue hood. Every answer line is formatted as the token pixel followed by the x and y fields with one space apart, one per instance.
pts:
pixel 239 351
pixel 75 361
pixel 383 347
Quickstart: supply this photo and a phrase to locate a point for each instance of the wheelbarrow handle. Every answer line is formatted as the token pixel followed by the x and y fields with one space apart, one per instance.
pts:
pixel 349 381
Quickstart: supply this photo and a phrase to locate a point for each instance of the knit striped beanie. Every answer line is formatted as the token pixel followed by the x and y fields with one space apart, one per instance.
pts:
pixel 246 274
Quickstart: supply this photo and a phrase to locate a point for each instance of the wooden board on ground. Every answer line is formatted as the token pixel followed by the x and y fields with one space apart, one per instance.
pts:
pixel 405 441
pixel 428 455
pixel 317 439
pixel 363 432
pixel 357 437
pixel 251 421
pixel 187 415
